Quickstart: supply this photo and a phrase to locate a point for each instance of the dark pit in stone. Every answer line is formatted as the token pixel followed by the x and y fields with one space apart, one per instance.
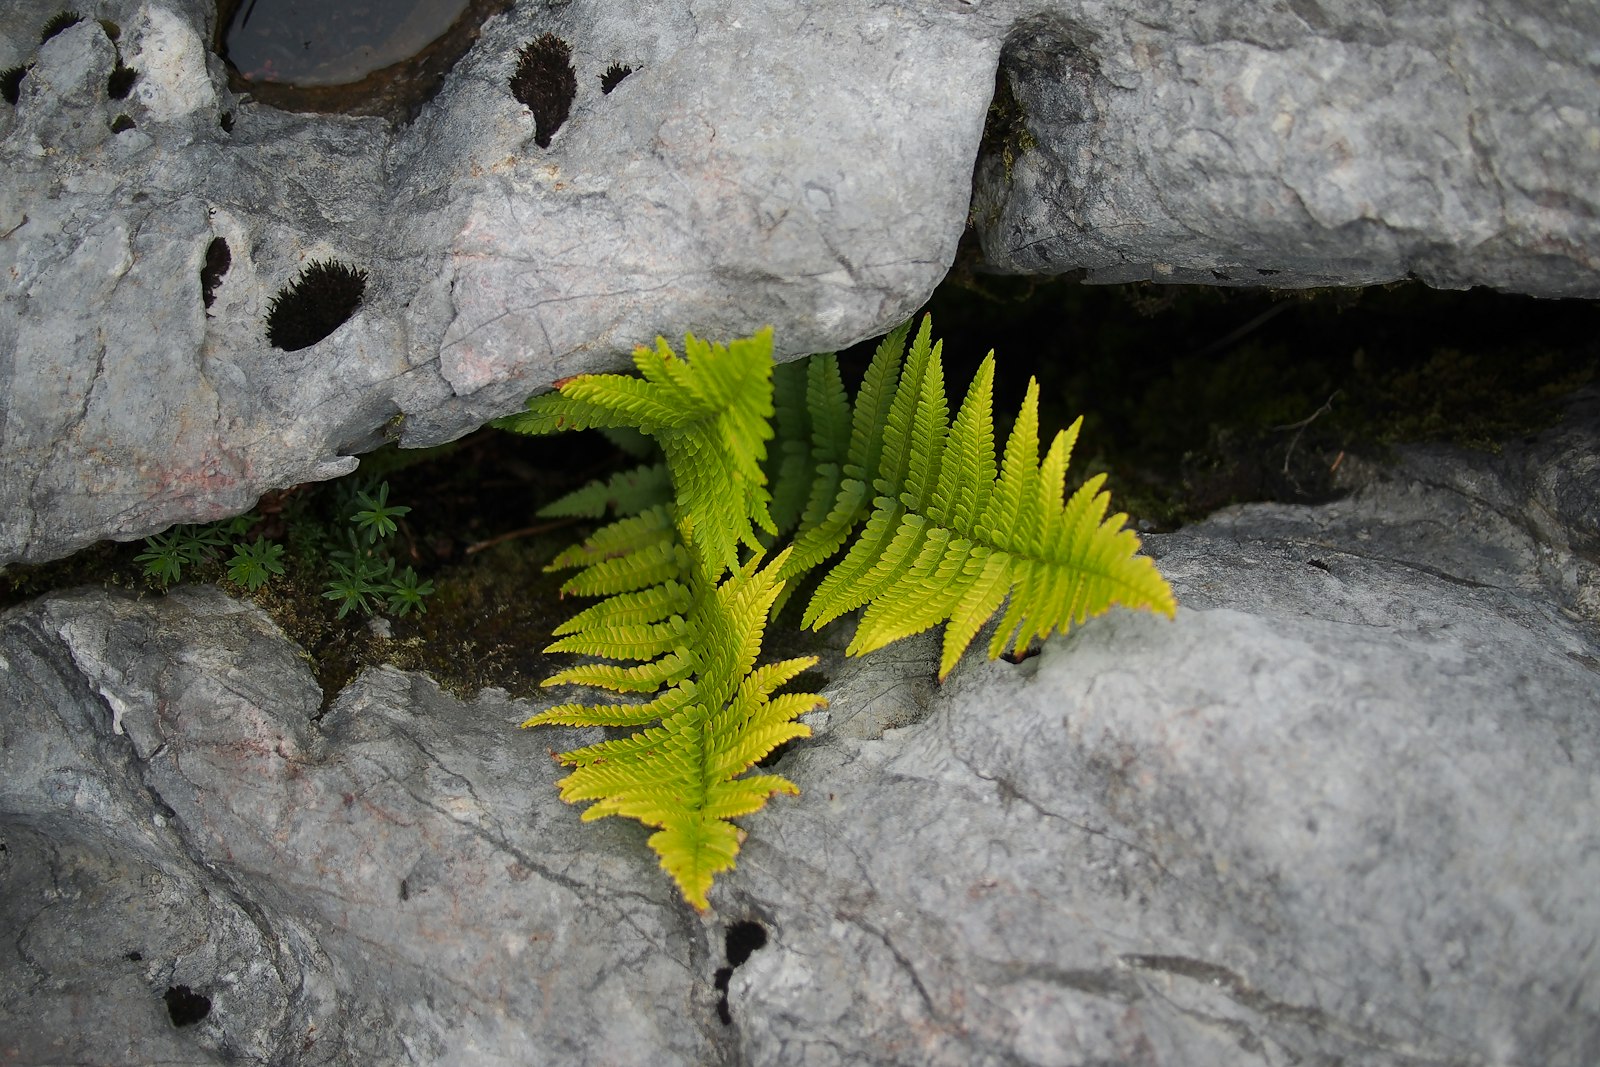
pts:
pixel 315 304
pixel 546 84
pixel 185 1007
pixel 365 57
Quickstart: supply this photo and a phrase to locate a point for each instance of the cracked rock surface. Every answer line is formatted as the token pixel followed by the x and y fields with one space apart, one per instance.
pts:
pixel 765 164
pixel 1341 810
pixel 386 883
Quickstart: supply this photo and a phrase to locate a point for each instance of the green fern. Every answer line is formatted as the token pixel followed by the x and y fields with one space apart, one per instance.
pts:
pixel 946 540
pixel 626 493
pixel 711 414
pixel 932 529
pixel 716 717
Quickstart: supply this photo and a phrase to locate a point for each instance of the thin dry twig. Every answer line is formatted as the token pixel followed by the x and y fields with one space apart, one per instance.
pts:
pixel 512 535
pixel 1299 429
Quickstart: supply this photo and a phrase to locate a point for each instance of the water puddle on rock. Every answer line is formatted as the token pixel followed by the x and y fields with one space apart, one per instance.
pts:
pixel 367 57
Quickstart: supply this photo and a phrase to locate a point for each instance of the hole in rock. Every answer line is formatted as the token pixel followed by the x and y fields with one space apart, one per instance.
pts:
pixel 358 57
pixel 120 83
pixel 58 23
pixel 120 123
pixel 315 304
pixel 11 83
pixel 405 890
pixel 743 938
pixel 546 84
pixel 613 76
pixel 133 957
pixel 218 259
pixel 226 122
pixel 185 1006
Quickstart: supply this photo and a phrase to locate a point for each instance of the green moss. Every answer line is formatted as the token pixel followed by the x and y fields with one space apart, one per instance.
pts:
pixel 1005 131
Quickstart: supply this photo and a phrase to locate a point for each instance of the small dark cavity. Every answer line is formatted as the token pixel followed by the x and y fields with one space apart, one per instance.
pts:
pixel 743 939
pixel 120 123
pixel 133 957
pixel 226 122
pixel 120 83
pixel 11 83
pixel 64 21
pixel 613 76
pixel 218 259
pixel 546 84
pixel 1321 566
pixel 315 304
pixel 405 890
pixel 185 1006
pixel 1267 273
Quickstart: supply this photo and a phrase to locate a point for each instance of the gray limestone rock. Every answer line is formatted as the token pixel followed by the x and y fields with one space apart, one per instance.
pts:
pixel 1315 142
pixel 764 165
pixel 1341 810
pixel 392 881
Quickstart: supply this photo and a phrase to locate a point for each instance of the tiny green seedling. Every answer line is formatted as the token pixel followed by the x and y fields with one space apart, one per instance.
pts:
pixel 365 575
pixel 376 519
pixel 167 554
pixel 254 564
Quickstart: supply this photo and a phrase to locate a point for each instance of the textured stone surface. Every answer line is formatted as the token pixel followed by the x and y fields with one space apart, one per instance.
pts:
pixel 1341 810
pixel 1305 143
pixel 764 165
pixel 394 882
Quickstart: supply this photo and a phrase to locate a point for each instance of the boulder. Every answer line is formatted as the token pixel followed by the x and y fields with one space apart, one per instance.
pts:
pixel 762 165
pixel 1317 142
pixel 1340 810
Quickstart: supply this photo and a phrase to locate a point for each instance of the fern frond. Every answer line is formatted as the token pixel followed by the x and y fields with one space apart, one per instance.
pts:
pixel 840 590
pixel 640 641
pixel 716 719
pixel 950 541
pixel 619 538
pixel 654 604
pixel 651 564
pixel 624 493
pixel 709 410
pixel 790 460
pixel 641 678
pixel 671 700
pixel 877 393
